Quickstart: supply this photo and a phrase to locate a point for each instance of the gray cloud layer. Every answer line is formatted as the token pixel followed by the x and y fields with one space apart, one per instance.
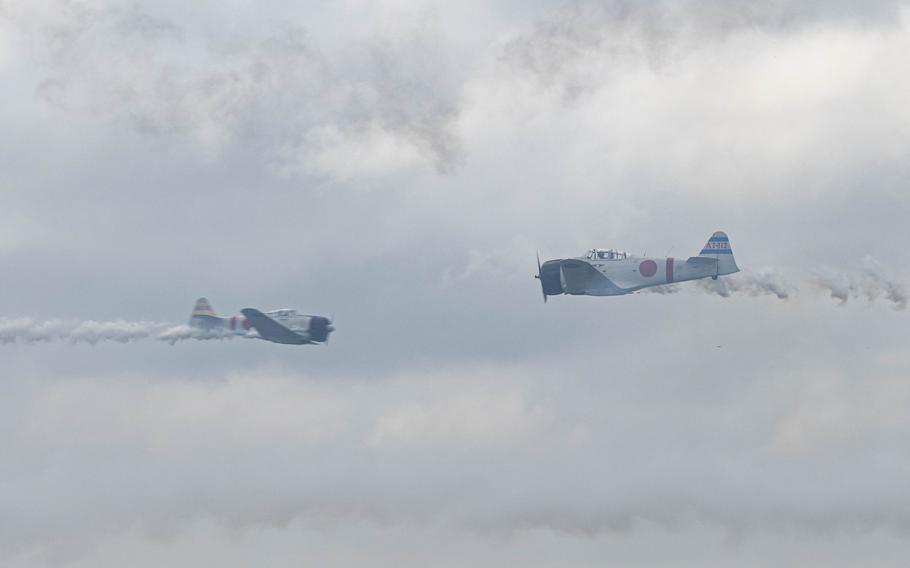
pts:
pixel 276 89
pixel 398 166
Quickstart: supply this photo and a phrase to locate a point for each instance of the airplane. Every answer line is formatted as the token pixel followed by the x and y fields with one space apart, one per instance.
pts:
pixel 279 326
pixel 609 272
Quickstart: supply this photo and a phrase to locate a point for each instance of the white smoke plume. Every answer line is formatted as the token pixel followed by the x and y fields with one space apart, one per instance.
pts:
pixel 662 290
pixel 177 333
pixel 29 330
pixel 760 282
pixel 872 283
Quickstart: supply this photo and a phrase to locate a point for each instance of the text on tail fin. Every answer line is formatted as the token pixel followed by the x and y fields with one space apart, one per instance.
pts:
pixel 717 244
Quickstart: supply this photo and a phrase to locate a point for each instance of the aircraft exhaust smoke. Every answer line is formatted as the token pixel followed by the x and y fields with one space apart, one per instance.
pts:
pixel 760 282
pixel 29 330
pixel 754 283
pixel 177 333
pixel 871 283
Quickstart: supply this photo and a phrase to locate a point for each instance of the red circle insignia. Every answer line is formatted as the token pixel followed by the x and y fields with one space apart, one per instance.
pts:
pixel 647 268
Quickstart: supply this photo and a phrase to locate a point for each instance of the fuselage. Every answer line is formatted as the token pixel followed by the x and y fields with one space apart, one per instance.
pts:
pixel 308 329
pixel 613 273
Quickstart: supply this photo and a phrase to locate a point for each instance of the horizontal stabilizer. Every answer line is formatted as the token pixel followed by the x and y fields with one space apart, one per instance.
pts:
pixel 701 260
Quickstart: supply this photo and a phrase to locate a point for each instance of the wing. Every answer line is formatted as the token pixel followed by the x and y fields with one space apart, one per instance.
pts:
pixel 270 329
pixel 579 277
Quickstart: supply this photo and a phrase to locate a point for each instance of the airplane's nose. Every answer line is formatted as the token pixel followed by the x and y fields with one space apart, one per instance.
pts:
pixel 550 277
pixel 320 328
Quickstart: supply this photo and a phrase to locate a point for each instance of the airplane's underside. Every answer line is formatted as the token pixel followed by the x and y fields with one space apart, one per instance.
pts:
pixel 285 340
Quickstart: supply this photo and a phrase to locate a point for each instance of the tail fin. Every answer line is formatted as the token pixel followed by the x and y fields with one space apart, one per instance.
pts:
pixel 718 248
pixel 203 315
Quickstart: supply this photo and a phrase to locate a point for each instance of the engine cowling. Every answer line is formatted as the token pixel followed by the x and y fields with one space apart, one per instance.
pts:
pixel 320 328
pixel 549 278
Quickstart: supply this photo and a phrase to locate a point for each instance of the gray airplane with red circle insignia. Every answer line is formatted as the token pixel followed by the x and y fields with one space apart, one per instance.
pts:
pixel 278 326
pixel 609 272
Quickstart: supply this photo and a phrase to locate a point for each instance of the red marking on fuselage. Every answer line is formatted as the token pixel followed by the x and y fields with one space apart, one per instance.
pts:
pixel 233 322
pixel 647 268
pixel 669 270
pixel 246 324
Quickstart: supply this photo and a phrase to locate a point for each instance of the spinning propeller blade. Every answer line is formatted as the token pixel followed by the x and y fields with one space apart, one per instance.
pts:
pixel 331 328
pixel 544 292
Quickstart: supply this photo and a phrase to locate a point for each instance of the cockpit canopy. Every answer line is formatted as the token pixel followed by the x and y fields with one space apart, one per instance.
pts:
pixel 285 313
pixel 606 254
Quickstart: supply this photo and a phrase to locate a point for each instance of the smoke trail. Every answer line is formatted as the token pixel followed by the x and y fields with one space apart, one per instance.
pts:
pixel 663 289
pixel 177 333
pixel 29 330
pixel 760 282
pixel 121 331
pixel 871 283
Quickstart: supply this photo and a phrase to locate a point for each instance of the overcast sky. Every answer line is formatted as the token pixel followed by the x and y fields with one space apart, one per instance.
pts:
pixel 395 164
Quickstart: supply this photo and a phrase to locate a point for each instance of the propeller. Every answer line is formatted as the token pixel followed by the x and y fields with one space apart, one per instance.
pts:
pixel 331 328
pixel 544 292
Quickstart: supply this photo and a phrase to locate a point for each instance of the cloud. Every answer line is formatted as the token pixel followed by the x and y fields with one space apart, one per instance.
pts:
pixel 495 452
pixel 160 151
pixel 583 44
pixel 277 88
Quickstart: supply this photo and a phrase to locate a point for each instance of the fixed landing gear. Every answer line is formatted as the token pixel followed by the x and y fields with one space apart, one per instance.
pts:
pixel 714 277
